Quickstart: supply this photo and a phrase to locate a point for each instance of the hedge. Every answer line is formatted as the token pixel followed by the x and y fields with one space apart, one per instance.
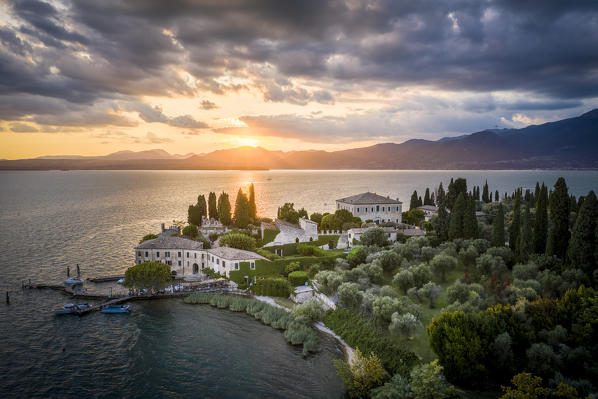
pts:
pixel 269 236
pixel 276 267
pixel 297 278
pixel 272 286
pixel 291 248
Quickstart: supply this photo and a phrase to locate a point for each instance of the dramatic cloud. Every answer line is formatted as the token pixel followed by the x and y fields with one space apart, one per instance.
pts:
pixel 152 138
pixel 477 63
pixel 22 128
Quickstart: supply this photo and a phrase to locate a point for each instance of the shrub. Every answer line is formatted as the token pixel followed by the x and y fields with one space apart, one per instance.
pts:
pixel 305 250
pixel 190 231
pixel 148 237
pixel 349 295
pixel 267 254
pixel 292 267
pixel 374 236
pixel 238 240
pixel 311 309
pixel 298 277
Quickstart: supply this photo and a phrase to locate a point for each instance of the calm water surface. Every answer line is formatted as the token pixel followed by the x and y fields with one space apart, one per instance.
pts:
pixel 49 220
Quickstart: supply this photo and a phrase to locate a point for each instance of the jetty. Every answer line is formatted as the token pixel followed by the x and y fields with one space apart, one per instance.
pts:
pixel 104 279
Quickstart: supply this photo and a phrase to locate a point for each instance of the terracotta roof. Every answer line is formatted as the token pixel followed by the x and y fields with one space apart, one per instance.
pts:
pixel 368 199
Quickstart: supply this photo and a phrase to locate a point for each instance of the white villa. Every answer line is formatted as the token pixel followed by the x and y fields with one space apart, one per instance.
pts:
pixel 289 233
pixel 429 211
pixel 188 257
pixel 371 206
pixel 391 233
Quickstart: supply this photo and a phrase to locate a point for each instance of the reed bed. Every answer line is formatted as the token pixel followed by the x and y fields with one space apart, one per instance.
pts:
pixel 297 329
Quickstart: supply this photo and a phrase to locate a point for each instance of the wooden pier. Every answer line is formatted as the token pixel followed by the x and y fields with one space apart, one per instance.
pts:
pixel 104 279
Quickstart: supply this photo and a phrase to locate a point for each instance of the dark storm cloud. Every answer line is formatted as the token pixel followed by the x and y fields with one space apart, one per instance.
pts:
pixel 123 49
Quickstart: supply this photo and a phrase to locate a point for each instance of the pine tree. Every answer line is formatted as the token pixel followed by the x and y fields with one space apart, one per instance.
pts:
pixel 457 217
pixel 224 209
pixel 241 217
pixel 496 196
pixel 442 222
pixel 413 202
pixel 212 206
pixel 427 197
pixel 485 196
pixel 498 228
pixel 541 222
pixel 470 221
pixel 525 243
pixel 252 206
pixel 582 247
pixel 515 227
pixel 559 215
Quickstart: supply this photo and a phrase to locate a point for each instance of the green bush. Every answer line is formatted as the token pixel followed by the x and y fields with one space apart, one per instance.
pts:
pixel 148 237
pixel 305 250
pixel 267 254
pixel 361 333
pixel 272 286
pixel 190 231
pixel 298 277
pixel 238 240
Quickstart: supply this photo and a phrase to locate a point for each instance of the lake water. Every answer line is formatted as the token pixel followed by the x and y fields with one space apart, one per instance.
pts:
pixel 49 220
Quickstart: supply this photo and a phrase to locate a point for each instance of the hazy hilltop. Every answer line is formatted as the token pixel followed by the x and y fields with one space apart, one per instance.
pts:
pixel 566 144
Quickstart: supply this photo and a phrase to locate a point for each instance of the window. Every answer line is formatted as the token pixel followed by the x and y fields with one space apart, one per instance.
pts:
pixel 252 265
pixel 146 254
pixel 158 254
pixel 377 208
pixel 382 209
pixel 188 255
pixel 397 208
pixel 223 264
pixel 217 261
pixel 357 210
pixel 179 263
pixel 167 254
pixel 236 265
pixel 138 253
pixel 179 254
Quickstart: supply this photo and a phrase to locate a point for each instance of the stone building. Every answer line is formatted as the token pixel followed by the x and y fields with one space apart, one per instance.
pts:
pixel 391 233
pixel 184 255
pixel 223 260
pixel 371 206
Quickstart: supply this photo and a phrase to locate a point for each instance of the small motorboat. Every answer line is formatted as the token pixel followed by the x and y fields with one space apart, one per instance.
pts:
pixel 120 281
pixel 70 308
pixel 73 281
pixel 116 309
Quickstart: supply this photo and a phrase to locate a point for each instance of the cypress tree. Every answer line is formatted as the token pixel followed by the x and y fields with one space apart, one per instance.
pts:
pixel 427 197
pixel 485 196
pixel 414 200
pixel 470 222
pixel 241 217
pixel 252 206
pixel 212 206
pixel 443 222
pixel 536 192
pixel 582 247
pixel 515 227
pixel 224 209
pixel 490 197
pixel 524 247
pixel 432 200
pixel 456 187
pixel 457 217
pixel 440 196
pixel 572 204
pixel 559 215
pixel 541 222
pixel 498 228
pixel 496 196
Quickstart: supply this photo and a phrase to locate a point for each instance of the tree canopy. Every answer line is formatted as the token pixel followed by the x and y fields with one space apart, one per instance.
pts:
pixel 224 209
pixel 148 275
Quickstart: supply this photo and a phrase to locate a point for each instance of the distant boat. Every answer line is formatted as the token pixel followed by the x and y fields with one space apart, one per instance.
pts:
pixel 116 309
pixel 120 281
pixel 71 308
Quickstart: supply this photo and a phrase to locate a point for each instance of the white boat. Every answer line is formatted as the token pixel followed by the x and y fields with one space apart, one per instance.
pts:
pixel 73 281
pixel 121 281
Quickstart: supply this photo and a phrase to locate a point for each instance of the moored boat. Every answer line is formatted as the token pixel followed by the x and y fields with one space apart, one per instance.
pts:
pixel 116 309
pixel 70 308
pixel 73 281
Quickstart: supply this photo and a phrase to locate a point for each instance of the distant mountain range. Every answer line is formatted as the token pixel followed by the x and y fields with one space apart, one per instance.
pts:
pixel 566 144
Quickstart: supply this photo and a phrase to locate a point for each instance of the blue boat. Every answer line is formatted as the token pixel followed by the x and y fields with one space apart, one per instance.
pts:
pixel 116 309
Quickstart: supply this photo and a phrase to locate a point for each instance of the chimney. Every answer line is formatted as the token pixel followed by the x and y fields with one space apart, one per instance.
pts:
pixel 163 228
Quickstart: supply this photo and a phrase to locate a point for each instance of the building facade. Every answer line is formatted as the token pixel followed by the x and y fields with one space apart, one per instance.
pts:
pixel 184 255
pixel 223 260
pixel 371 206
pixel 391 233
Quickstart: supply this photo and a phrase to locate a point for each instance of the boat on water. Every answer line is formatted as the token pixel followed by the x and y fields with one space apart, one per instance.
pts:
pixel 70 308
pixel 120 281
pixel 73 281
pixel 116 309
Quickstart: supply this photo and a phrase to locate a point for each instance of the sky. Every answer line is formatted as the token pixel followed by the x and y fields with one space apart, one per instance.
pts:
pixel 93 77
